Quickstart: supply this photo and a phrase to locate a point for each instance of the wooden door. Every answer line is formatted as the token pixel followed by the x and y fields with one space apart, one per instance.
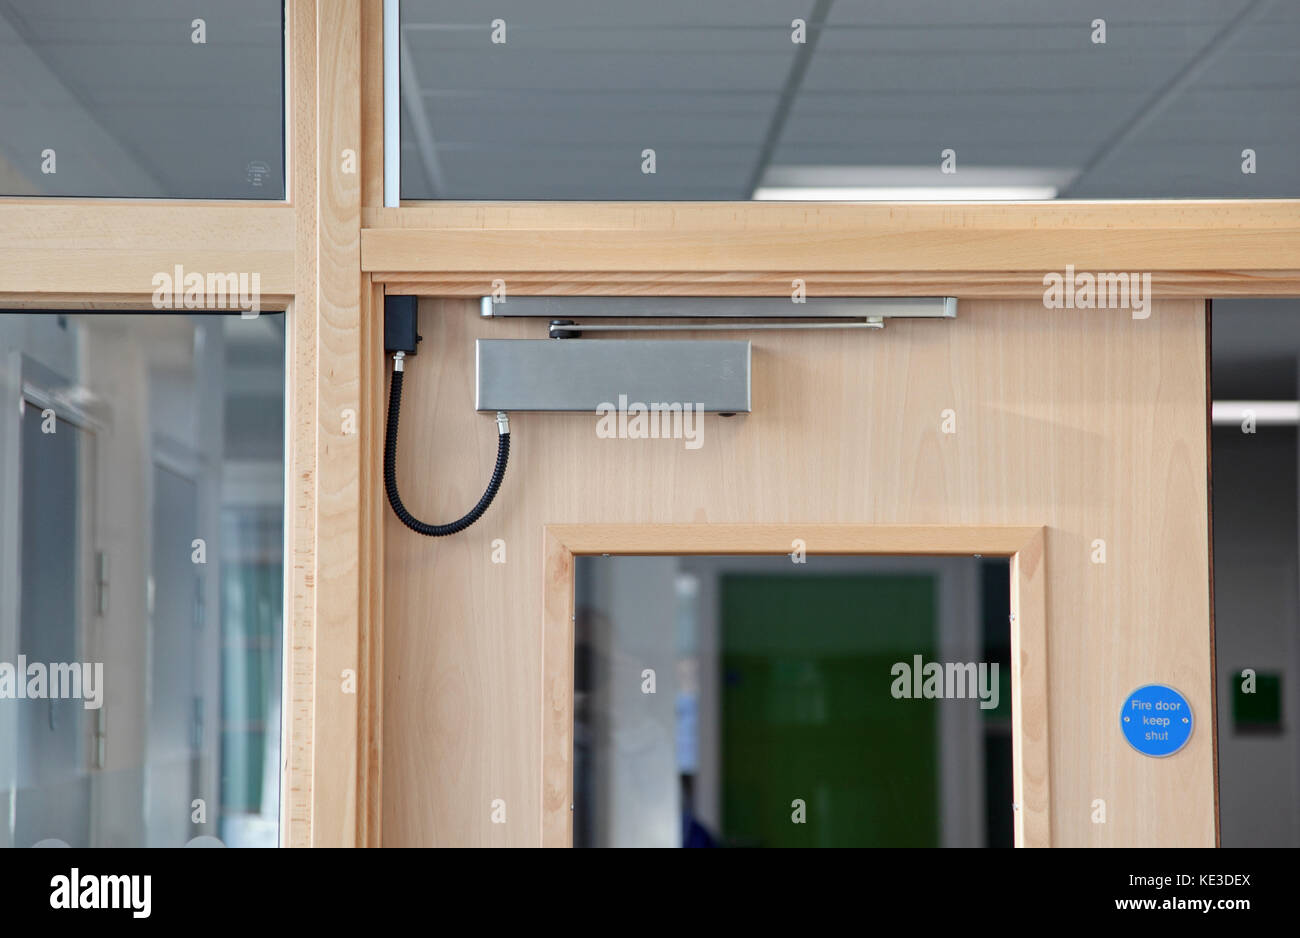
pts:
pixel 1088 424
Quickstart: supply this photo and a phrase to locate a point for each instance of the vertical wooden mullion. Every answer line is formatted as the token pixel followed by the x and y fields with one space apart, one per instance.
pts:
pixel 371 687
pixel 373 372
pixel 322 748
pixel 338 681
pixel 372 103
pixel 300 489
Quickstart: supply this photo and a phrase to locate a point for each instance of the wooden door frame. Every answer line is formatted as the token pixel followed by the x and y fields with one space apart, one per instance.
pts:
pixel 1025 546
pixel 1193 248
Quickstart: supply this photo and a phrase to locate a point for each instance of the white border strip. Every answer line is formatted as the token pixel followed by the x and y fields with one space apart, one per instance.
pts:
pixel 392 105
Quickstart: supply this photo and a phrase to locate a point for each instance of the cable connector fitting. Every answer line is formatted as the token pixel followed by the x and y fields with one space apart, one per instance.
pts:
pixel 503 423
pixel 401 324
pixel 399 361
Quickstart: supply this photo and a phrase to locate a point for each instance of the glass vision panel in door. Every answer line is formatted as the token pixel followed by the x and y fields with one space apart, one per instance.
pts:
pixel 141 570
pixel 850 100
pixel 142 98
pixel 742 701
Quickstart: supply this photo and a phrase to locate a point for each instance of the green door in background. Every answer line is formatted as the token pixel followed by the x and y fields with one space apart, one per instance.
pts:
pixel 807 713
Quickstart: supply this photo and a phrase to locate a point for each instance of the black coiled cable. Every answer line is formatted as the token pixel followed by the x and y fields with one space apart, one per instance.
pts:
pixel 390 471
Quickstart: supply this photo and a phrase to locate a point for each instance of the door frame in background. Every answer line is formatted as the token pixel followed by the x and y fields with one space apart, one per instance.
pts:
pixel 1025 546
pixel 34 381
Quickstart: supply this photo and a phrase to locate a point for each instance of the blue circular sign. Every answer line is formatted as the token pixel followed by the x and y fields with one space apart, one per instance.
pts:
pixel 1156 720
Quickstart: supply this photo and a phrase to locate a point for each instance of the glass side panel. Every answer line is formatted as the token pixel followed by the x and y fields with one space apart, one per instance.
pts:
pixel 141 578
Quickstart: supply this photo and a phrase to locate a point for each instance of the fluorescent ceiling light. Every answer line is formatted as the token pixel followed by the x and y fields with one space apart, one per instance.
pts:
pixel 1265 413
pixel 911 184
pixel 904 194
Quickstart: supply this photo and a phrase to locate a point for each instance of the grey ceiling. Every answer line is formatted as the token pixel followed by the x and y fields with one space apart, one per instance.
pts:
pixel 133 108
pixel 1256 348
pixel 564 108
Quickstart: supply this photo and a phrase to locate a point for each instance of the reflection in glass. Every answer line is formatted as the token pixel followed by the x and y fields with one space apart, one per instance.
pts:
pixel 842 100
pixel 142 99
pixel 729 701
pixel 141 570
